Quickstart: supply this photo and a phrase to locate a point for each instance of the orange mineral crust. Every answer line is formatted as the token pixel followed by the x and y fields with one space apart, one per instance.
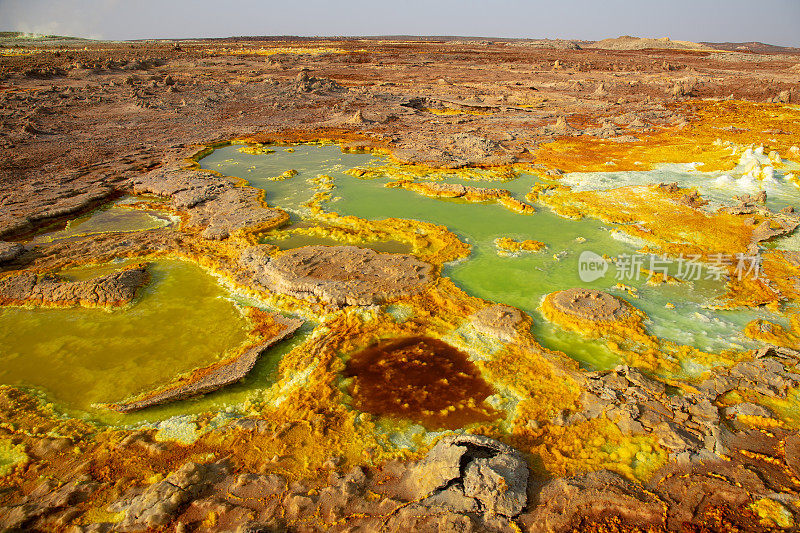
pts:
pixel 698 140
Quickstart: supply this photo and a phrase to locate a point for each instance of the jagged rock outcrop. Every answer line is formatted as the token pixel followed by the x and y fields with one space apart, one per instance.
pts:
pixel 769 229
pixel 471 473
pixel 690 425
pixel 49 290
pixel 560 128
pixel 305 83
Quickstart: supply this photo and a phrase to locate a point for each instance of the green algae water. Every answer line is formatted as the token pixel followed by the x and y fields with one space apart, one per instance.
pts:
pixel 298 240
pixel 523 279
pixel 260 170
pixel 83 357
pixel 676 313
pixel 115 217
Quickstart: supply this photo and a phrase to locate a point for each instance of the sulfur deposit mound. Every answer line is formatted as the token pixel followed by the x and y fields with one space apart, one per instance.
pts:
pixel 597 314
pixel 49 290
pixel 339 275
pixel 498 320
pixel 464 192
pixel 450 190
pixel 588 304
pixel 506 246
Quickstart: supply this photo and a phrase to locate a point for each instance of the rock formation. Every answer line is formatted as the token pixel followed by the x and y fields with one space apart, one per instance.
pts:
pixel 10 251
pixel 212 203
pixel 339 275
pixel 49 290
pixel 470 473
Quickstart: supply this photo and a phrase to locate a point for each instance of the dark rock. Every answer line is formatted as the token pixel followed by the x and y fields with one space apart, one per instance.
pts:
pixel 10 251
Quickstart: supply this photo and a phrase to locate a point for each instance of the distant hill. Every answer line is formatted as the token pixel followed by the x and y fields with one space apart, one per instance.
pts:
pixel 18 39
pixel 755 47
pixel 626 42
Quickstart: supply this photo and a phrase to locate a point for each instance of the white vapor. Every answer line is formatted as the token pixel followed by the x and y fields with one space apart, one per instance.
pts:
pixel 43 17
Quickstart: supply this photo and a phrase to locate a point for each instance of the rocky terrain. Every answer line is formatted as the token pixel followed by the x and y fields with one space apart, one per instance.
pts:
pixel 339 275
pixel 116 289
pixel 84 123
pixel 589 304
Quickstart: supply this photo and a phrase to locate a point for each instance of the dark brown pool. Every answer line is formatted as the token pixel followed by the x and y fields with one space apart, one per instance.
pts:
pixel 422 379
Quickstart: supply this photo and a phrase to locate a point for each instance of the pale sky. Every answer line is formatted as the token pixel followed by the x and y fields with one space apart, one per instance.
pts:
pixel 770 21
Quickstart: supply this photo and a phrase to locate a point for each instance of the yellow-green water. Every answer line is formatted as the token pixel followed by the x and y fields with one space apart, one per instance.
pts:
pixel 78 358
pixel 115 217
pixel 82 357
pixel 521 280
pixel 298 240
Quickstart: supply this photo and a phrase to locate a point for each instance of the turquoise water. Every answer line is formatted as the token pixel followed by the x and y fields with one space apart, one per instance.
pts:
pixel 520 280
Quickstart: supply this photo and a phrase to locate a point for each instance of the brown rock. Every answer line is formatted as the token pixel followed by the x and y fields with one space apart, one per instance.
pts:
pixel 471 472
pixel 10 251
pixel 211 202
pixel 160 503
pixel 339 275
pixel 564 503
pixel 589 304
pixel 498 320
pixel 115 289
